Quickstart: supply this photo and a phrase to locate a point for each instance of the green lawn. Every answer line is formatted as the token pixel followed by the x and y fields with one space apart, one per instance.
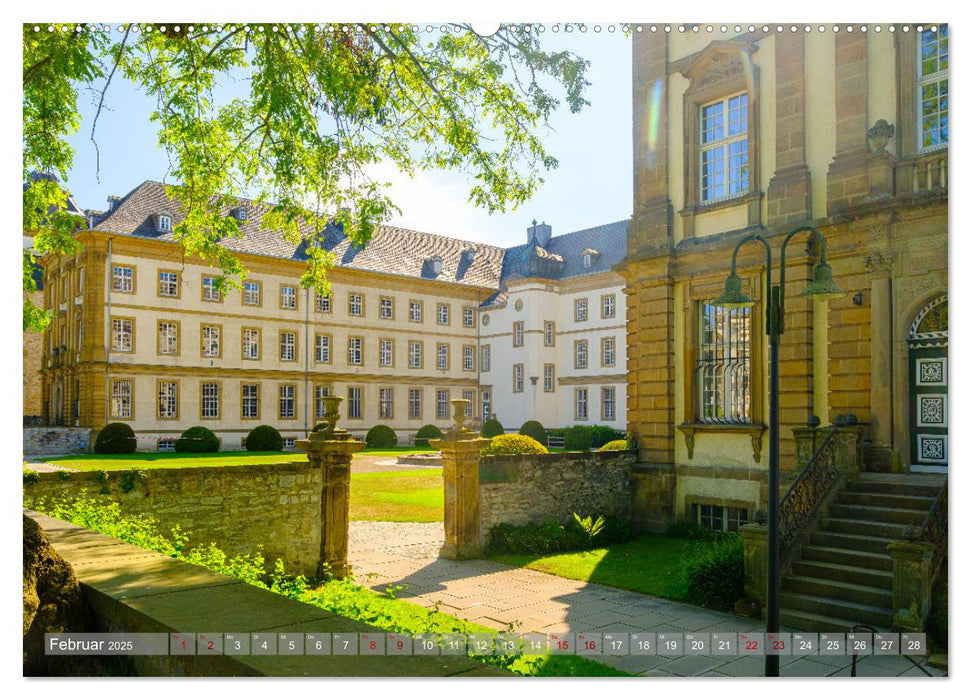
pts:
pixel 407 496
pixel 649 564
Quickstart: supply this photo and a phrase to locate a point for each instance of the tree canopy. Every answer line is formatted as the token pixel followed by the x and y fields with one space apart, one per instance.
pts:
pixel 321 105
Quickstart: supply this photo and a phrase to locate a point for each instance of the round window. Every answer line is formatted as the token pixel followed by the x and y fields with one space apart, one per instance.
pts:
pixel 519 305
pixel 485 320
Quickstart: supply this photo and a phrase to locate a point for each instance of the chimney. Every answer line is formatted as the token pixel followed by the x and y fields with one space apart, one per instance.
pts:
pixel 541 232
pixel 113 201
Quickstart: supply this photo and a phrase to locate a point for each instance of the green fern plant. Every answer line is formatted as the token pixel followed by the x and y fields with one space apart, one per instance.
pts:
pixel 591 527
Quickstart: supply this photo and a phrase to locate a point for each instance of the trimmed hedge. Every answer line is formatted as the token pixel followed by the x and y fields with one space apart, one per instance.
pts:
pixel 381 436
pixel 264 438
pixel 550 536
pixel 535 430
pixel 514 445
pixel 492 428
pixel 426 433
pixel 197 439
pixel 716 573
pixel 615 446
pixel 578 438
pixel 116 439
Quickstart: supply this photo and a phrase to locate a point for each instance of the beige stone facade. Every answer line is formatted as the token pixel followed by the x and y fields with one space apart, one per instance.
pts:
pixel 797 115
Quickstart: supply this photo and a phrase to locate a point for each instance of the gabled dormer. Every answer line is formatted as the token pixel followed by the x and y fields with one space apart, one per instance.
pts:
pixel 162 221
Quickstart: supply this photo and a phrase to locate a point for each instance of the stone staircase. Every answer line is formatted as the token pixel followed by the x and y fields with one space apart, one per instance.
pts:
pixel 844 576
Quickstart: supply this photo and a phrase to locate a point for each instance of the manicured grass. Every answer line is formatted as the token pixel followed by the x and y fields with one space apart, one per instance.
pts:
pixel 649 564
pixel 406 496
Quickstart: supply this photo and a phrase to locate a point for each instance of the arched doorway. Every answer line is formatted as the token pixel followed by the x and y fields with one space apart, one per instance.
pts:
pixel 927 353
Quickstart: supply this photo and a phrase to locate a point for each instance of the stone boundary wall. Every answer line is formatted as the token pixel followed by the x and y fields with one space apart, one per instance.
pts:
pixel 238 508
pixel 519 489
pixel 56 441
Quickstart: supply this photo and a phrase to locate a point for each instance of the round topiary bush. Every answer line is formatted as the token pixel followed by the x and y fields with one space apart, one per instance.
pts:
pixel 426 433
pixel 579 438
pixel 115 439
pixel 535 430
pixel 197 439
pixel 264 438
pixel 491 428
pixel 615 445
pixel 381 436
pixel 514 445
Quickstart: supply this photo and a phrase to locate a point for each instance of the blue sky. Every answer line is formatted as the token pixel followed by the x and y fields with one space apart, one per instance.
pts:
pixel 592 185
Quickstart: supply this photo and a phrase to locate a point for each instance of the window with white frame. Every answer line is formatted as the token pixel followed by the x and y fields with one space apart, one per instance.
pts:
pixel 166 444
pixel 414 311
pixel 210 291
pixel 486 363
pixel 441 313
pixel 468 358
pixel 386 352
pixel 587 260
pixel 288 296
pixel 168 400
pixel 608 351
pixel 121 398
pixel 441 404
pixel 322 349
pixel 251 343
pixel 385 403
pixel 608 403
pixel 580 310
pixel 724 148
pixel 211 341
pixel 164 222
pixel 320 408
pixel 289 443
pixel 122 334
pixel 288 401
pixel 322 303
pixel 414 403
pixel 251 293
pixel 168 284
pixel 932 72
pixel 168 338
pixel 441 356
pixel 608 306
pixel 123 279
pixel 719 518
pixel 580 354
pixel 469 396
pixel 209 404
pixel 250 400
pixel 288 346
pixel 518 378
pixel 355 304
pixel 414 354
pixel 518 333
pixel 468 317
pixel 486 404
pixel 355 350
pixel 549 333
pixel 386 308
pixel 723 372
pixel 355 402
pixel 580 404
pixel 549 379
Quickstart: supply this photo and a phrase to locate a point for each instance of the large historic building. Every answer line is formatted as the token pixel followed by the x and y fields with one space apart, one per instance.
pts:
pixel 765 130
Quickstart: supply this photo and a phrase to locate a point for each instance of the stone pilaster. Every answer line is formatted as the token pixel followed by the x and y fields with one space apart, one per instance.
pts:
pixel 460 471
pixel 847 181
pixel 755 542
pixel 881 365
pixel 911 583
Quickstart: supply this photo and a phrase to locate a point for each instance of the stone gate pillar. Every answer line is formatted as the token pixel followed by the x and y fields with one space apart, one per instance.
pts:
pixel 460 470
pixel 330 450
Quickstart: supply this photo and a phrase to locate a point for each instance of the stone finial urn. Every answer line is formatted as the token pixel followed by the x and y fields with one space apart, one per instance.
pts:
pixel 328 426
pixel 880 134
pixel 459 431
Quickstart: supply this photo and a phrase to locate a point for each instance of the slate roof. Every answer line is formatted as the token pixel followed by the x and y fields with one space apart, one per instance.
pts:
pixel 72 206
pixel 610 240
pixel 392 250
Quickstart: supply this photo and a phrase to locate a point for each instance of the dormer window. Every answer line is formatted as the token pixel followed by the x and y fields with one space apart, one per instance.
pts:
pixel 587 260
pixel 164 222
pixel 468 255
pixel 436 264
pixel 239 213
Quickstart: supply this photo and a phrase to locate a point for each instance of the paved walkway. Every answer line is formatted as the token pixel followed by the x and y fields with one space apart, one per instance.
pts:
pixel 497 596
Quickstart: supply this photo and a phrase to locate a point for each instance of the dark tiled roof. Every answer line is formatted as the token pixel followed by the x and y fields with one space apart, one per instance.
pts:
pixel 566 253
pixel 392 250
pixel 72 206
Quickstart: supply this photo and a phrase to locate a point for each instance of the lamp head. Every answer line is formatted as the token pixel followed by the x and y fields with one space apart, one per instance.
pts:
pixel 823 286
pixel 733 297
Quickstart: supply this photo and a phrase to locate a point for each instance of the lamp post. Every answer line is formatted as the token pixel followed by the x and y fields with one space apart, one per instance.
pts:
pixel 822 287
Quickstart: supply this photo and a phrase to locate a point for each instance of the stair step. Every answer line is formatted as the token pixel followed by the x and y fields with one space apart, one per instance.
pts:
pixel 844 573
pixel 870 561
pixel 852 526
pixel 886 500
pixel 859 613
pixel 856 542
pixel 878 514
pixel 839 590
pixel 814 622
pixel 866 485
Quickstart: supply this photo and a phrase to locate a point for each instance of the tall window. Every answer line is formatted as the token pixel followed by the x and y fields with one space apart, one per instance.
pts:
pixel 250 400
pixel 468 358
pixel 468 316
pixel 122 334
pixel 932 78
pixel 724 148
pixel 580 310
pixel 288 346
pixel 486 363
pixel 580 404
pixel 251 293
pixel 441 356
pixel 608 306
pixel 441 404
pixel 121 398
pixel 322 349
pixel 723 373
pixel 386 352
pixel 168 284
pixel 355 402
pixel 355 351
pixel 414 311
pixel 251 344
pixel 722 518
pixel 210 292
pixel 518 333
pixel 549 380
pixel 322 303
pixel 414 354
pixel 608 403
pixel 288 401
pixel 355 304
pixel 386 308
pixel 414 403
pixel 469 396
pixel 209 406
pixel 518 378
pixel 123 279
pixel 549 334
pixel 441 314
pixel 288 296
pixel 385 403
pixel 168 338
pixel 168 400
pixel 486 405
pixel 319 407
pixel 608 351
pixel 580 354
pixel 210 341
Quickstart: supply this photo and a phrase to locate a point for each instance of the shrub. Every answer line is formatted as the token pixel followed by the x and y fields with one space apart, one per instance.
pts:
pixel 491 428
pixel 115 439
pixel 715 573
pixel 579 438
pixel 689 530
pixel 937 619
pixel 600 435
pixel 514 445
pixel 535 430
pixel 197 439
pixel 264 438
pixel 550 536
pixel 426 433
pixel 381 436
pixel 615 445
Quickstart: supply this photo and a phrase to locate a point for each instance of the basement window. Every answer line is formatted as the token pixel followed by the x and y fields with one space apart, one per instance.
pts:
pixel 719 518
pixel 166 445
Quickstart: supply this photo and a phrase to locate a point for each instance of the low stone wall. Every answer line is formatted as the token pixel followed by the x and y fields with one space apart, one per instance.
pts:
pixel 519 489
pixel 238 508
pixel 56 441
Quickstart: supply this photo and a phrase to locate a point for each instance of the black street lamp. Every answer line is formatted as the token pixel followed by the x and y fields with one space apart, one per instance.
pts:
pixel 822 287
